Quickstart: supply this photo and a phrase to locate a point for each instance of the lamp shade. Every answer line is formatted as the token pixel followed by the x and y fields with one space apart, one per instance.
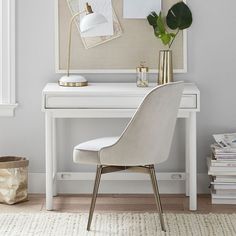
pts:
pixel 91 20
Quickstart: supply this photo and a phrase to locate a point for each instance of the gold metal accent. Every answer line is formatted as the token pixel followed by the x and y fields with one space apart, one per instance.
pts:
pixel 88 8
pixel 111 169
pixel 142 75
pixel 95 192
pixel 157 196
pixel 69 40
pixel 143 169
pixel 142 68
pixel 165 67
pixel 73 84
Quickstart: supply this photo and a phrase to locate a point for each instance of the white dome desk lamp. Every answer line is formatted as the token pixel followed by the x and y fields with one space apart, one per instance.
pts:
pixel 88 22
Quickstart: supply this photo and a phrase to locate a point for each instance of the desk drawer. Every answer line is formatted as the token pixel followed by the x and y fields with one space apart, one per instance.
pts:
pixel 92 102
pixel 73 102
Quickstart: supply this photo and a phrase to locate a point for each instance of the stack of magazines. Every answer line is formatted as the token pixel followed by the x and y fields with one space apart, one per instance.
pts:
pixel 222 169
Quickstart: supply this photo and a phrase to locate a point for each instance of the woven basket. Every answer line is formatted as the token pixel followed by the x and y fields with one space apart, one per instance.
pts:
pixel 13 179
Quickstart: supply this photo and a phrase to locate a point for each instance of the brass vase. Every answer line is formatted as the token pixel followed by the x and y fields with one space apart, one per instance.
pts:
pixel 165 67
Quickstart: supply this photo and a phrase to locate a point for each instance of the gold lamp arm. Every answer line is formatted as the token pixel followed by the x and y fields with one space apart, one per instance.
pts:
pixel 69 40
pixel 88 10
pixel 87 23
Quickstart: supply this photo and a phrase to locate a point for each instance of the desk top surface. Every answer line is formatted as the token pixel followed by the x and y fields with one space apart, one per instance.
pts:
pixel 109 89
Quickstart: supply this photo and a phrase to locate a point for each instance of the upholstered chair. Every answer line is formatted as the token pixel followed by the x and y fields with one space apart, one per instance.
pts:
pixel 146 141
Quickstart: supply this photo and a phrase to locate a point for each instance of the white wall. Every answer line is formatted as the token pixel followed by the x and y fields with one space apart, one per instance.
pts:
pixel 211 65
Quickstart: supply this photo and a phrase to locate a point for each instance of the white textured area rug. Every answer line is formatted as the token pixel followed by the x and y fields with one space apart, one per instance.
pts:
pixel 126 224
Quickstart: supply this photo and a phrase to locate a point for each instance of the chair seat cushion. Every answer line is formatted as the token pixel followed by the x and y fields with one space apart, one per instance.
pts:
pixel 88 152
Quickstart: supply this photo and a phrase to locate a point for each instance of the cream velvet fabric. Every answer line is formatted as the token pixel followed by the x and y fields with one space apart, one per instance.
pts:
pixel 146 139
pixel 88 152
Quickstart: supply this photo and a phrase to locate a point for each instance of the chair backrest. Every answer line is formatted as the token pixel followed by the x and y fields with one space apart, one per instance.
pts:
pixel 148 136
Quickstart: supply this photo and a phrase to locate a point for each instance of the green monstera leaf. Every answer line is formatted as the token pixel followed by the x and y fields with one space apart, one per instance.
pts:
pixel 152 19
pixel 158 24
pixel 179 16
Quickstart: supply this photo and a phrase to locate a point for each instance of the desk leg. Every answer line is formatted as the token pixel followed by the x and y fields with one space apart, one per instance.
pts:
pixel 187 156
pixel 54 158
pixel 192 161
pixel 49 159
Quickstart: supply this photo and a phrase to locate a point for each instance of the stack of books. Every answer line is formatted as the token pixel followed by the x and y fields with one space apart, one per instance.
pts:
pixel 222 169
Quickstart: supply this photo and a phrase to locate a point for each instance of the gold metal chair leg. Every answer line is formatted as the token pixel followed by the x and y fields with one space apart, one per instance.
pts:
pixel 157 196
pixel 94 197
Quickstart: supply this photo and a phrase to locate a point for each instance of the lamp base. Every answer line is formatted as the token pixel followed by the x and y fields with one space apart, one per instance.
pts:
pixel 72 81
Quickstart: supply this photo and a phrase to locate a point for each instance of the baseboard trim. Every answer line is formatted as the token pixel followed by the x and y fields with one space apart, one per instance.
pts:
pixel 82 183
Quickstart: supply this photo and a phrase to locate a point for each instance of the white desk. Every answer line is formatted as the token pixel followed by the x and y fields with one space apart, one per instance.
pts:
pixel 112 100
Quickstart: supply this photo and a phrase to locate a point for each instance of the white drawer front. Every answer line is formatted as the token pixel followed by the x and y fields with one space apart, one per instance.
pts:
pixel 67 102
pixel 93 102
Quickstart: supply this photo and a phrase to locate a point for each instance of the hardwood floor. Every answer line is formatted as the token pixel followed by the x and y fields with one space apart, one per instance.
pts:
pixel 118 203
